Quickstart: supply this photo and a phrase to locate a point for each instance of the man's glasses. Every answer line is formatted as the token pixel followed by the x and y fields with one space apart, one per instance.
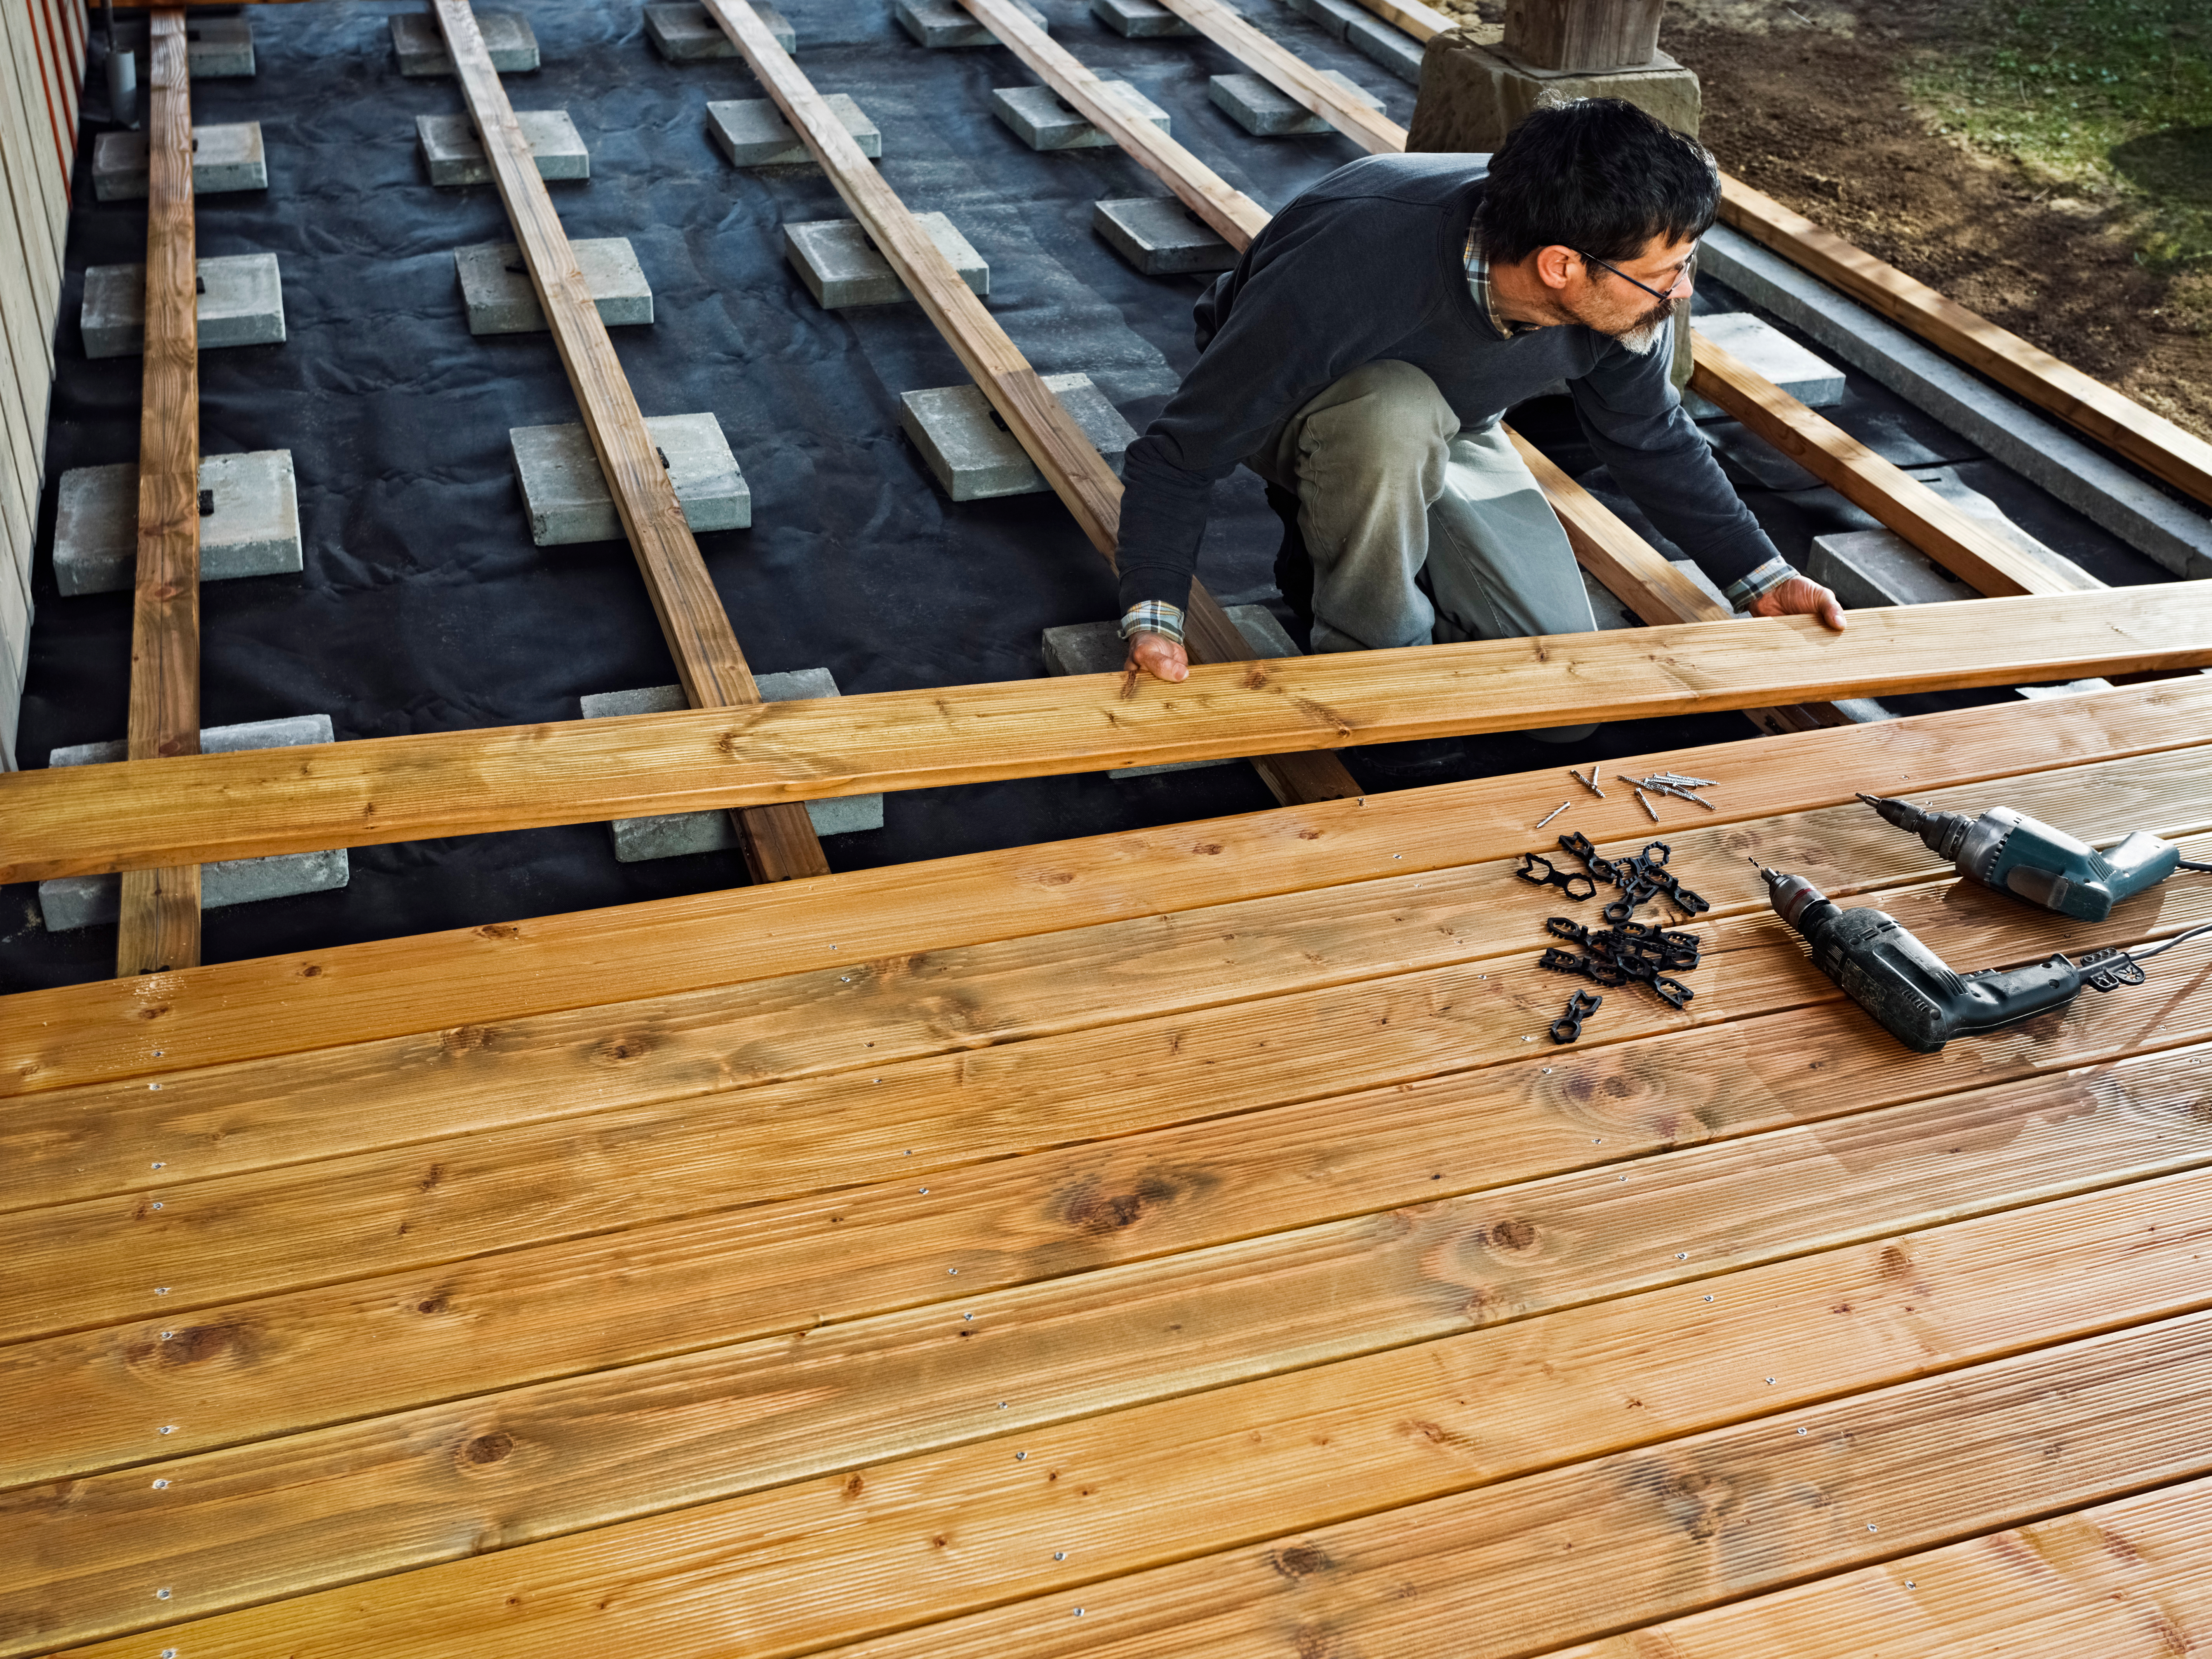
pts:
pixel 1689 268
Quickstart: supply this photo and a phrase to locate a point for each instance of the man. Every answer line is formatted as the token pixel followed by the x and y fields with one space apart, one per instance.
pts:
pixel 1361 354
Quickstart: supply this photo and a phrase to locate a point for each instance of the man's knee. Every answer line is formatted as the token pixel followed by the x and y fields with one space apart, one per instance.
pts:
pixel 1381 420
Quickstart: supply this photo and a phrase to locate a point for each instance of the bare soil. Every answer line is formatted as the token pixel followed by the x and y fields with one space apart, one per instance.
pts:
pixel 1808 102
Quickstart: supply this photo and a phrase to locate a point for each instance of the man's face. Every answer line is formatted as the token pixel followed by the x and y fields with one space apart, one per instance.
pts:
pixel 1610 300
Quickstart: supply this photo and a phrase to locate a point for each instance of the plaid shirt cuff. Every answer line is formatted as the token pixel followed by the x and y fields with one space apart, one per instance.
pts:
pixel 1744 589
pixel 1153 617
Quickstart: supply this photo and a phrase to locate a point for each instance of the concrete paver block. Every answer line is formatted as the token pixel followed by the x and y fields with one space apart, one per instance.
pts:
pixel 566 491
pixel 1335 15
pixel 241 302
pixel 225 157
pixel 421 45
pixel 1160 236
pixel 216 48
pixel 842 268
pixel 495 285
pixel 70 903
pixel 251 528
pixel 752 132
pixel 973 455
pixel 637 840
pixel 1393 48
pixel 1097 649
pixel 939 23
pixel 1043 122
pixel 1139 20
pixel 1808 378
pixel 1265 113
pixel 685 34
pixel 455 155
pixel 1869 567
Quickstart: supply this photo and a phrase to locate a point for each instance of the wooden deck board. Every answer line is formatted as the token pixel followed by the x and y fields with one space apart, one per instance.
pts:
pixel 672 1346
pixel 506 971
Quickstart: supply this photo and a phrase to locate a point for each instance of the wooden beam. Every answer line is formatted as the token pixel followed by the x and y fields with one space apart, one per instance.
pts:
pixel 160 918
pixel 503 971
pixel 2110 418
pixel 1039 421
pixel 779 839
pixel 1291 75
pixel 1964 547
pixel 1422 23
pixel 130 815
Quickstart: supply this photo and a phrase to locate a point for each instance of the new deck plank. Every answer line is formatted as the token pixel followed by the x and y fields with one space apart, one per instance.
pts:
pixel 84 819
pixel 280 1517
pixel 291 1361
pixel 503 970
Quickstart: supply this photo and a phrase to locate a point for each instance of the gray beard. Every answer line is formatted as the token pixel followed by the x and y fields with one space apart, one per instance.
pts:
pixel 1645 338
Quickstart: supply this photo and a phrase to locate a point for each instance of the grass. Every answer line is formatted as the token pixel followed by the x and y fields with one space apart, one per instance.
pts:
pixel 2110 100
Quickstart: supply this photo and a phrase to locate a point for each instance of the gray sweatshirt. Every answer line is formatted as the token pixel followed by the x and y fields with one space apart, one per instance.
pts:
pixel 1370 265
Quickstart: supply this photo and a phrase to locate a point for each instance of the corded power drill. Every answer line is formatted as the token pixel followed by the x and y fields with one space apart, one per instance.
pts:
pixel 2020 855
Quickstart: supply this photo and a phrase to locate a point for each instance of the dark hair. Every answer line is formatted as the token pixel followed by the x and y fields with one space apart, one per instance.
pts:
pixel 1598 175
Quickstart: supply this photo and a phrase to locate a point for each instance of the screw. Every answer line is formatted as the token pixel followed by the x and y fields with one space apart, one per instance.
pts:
pixel 158 1052
pixel 161 1594
pixel 1549 816
pixel 964 1315
pixel 1770 1382
pixel 925 1192
pixel 168 1428
pixel 955 1272
pixel 1709 1298
pixel 1909 1584
pixel 166 1335
pixel 152 1086
pixel 1804 1431
pixel 1872 1527
pixel 160 1166
pixel 1060 1555
pixel 1021 1457
pixel 157 1204
pixel 1682 1256
pixel 160 1290
pixel 161 1486
pixel 1078 1612
pixel 1647 806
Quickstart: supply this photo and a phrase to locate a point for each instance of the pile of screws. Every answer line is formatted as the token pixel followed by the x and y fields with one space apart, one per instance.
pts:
pixel 1668 783
pixel 1628 951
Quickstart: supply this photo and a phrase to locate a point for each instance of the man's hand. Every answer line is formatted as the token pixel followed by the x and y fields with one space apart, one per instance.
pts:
pixel 1801 596
pixel 1160 657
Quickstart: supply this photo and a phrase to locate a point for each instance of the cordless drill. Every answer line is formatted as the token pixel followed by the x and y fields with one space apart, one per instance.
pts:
pixel 2017 854
pixel 1905 986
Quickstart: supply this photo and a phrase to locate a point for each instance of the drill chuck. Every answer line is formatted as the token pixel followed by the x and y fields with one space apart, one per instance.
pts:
pixel 2017 854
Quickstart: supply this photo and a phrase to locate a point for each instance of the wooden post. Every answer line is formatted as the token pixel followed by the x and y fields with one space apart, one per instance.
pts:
pixel 1582 34
pixel 160 920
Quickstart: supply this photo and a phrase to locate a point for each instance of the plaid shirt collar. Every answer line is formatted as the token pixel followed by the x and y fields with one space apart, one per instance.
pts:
pixel 1478 283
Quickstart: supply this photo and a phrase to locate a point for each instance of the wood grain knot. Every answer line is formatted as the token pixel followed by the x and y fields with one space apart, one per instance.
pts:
pixel 488 1448
pixel 462 1039
pixel 1300 1560
pixel 1513 1235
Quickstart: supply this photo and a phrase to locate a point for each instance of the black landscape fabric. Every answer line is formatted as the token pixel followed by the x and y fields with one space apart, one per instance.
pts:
pixel 425 607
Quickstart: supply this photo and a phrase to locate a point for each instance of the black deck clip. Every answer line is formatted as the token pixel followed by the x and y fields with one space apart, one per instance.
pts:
pixel 1540 871
pixel 1568 1027
pixel 207 503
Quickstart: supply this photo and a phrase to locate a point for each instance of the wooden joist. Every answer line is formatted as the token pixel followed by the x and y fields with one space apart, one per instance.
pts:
pixel 160 916
pixel 1039 421
pixel 779 839
pixel 482 977
pixel 1968 549
pixel 85 819
pixel 2111 417
pixel 1292 76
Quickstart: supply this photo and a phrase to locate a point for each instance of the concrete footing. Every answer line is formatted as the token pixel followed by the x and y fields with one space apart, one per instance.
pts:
pixel 420 44
pixel 1139 20
pixel 684 33
pixel 565 491
pixel 752 132
pixel 216 48
pixel 1264 112
pixel 1097 649
pixel 1160 236
pixel 1473 94
pixel 975 457
pixel 249 525
pixel 1043 122
pixel 637 840
pixel 939 23
pixel 495 285
pixel 241 302
pixel 1812 382
pixel 1395 49
pixel 842 268
pixel 455 156
pixel 70 903
pixel 227 157
pixel 1872 568
pixel 2038 449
